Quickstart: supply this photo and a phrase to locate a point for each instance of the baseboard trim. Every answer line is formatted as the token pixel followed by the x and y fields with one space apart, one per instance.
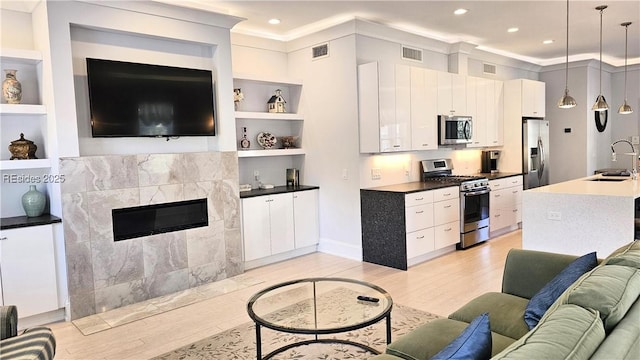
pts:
pixel 341 249
pixel 252 264
pixel 41 319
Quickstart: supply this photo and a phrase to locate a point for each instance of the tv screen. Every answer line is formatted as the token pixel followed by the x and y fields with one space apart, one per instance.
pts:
pixel 129 99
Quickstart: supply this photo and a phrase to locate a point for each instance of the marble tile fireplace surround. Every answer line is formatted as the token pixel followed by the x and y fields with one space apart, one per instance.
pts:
pixel 103 274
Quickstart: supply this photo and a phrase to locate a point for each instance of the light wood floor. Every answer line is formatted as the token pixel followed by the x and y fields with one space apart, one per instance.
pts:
pixel 438 286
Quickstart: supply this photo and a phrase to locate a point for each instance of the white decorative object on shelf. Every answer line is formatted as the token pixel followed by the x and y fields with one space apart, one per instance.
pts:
pixel 276 103
pixel 11 87
pixel 267 140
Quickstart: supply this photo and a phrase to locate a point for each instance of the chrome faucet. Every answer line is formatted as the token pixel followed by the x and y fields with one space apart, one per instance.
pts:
pixel 634 159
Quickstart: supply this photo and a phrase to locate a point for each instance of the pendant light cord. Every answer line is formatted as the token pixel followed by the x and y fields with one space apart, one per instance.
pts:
pixel 626 36
pixel 566 71
pixel 601 11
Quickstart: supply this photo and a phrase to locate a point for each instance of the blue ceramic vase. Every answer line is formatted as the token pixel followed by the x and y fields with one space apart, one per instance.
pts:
pixel 33 202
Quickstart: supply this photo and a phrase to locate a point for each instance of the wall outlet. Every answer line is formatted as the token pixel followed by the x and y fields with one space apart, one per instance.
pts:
pixel 554 215
pixel 256 174
pixel 635 140
pixel 376 174
pixel 345 174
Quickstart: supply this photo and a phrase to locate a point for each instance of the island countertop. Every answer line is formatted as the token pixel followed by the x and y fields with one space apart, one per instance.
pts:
pixel 595 185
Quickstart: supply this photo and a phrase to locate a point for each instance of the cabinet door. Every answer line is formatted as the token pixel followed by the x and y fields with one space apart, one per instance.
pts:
pixel 369 107
pixel 424 114
pixel 401 131
pixel 305 215
pixel 459 94
pixel 387 106
pixel 256 227
pixel 27 267
pixel 419 217
pixel 420 242
pixel 446 211
pixel 446 234
pixel 480 120
pixel 282 228
pixel 445 93
pixel 533 98
pixel 495 113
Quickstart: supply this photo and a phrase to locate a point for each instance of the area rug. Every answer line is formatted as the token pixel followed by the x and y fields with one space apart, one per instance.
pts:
pixel 239 343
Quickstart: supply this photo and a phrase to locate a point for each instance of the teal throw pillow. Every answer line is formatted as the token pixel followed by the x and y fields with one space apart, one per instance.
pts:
pixel 474 343
pixel 541 301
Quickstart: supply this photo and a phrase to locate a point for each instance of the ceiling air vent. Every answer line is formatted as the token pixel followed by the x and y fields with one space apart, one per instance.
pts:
pixel 489 69
pixel 411 54
pixel 320 51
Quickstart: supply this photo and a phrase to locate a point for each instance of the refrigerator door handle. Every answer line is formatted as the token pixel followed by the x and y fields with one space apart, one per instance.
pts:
pixel 541 158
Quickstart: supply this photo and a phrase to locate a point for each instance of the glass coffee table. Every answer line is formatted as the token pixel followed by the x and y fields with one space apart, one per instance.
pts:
pixel 319 306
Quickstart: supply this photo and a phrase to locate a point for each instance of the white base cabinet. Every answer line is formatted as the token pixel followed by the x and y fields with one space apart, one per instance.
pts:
pixel 505 205
pixel 279 223
pixel 28 270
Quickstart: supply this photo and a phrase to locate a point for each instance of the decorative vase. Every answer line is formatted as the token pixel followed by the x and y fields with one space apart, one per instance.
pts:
pixel 33 202
pixel 22 149
pixel 11 88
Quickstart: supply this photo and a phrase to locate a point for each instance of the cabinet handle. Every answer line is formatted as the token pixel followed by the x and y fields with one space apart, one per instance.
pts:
pixel 515 210
pixel 495 141
pixel 497 195
pixel 396 146
pixel 419 212
pixel 420 237
pixel 514 192
pixel 425 144
pixel 449 229
pixel 295 196
pixel 497 215
pixel 3 238
pixel 447 194
pixel 419 199
pixel 447 206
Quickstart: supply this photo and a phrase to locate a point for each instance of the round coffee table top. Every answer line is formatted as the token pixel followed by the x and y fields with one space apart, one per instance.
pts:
pixel 319 305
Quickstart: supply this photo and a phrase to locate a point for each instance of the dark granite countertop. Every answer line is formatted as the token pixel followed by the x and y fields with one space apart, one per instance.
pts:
pixel 23 221
pixel 411 187
pixel 499 175
pixel 276 190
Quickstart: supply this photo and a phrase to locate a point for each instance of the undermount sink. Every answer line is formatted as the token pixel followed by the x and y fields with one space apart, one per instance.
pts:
pixel 608 179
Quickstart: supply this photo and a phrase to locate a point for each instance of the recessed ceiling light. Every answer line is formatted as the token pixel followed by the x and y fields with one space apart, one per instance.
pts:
pixel 546 42
pixel 512 30
pixel 274 21
pixel 460 11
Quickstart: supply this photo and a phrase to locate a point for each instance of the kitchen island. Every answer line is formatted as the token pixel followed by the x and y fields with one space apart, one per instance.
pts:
pixel 595 213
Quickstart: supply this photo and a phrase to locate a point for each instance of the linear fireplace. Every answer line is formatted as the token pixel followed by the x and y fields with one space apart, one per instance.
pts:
pixel 133 222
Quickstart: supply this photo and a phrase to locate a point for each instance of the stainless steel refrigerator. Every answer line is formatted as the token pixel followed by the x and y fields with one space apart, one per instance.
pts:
pixel 535 152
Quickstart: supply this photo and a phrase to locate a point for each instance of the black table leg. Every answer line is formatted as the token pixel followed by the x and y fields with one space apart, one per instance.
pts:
pixel 389 328
pixel 258 343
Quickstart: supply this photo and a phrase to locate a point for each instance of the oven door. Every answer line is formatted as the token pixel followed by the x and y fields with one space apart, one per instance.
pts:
pixel 474 210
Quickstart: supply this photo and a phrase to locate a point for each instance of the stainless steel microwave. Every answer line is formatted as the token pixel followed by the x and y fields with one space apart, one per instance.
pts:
pixel 453 129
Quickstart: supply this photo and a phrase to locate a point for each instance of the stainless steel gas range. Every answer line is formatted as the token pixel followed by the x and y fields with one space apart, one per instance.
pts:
pixel 474 199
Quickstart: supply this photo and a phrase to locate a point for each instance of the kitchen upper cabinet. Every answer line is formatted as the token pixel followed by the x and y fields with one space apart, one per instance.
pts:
pixel 488 121
pixel 452 94
pixel 424 112
pixel 28 270
pixel 384 124
pixel 533 98
pixel 305 215
pixel 268 225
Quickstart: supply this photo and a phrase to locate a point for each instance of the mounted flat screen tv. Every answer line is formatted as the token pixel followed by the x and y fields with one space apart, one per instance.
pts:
pixel 142 100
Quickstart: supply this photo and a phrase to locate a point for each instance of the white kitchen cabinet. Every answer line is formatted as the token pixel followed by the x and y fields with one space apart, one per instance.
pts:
pixel 384 125
pixel 268 225
pixel 419 223
pixel 446 212
pixel 452 94
pixel 488 121
pixel 28 270
pixel 533 98
pixel 505 206
pixel 306 225
pixel 424 111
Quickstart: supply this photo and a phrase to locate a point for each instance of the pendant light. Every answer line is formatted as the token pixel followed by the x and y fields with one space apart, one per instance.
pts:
pixel 625 108
pixel 566 101
pixel 601 103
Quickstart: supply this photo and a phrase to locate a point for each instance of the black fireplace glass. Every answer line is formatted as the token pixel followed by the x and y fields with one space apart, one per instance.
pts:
pixel 129 223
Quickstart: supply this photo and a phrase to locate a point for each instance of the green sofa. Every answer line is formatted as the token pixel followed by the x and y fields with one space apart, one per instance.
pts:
pixel 597 317
pixel 36 343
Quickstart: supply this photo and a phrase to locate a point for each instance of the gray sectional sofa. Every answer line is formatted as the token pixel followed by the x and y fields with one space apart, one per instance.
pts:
pixel 36 343
pixel 597 317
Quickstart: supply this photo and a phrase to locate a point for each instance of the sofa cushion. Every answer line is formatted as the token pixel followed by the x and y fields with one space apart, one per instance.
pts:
pixel 37 343
pixel 610 289
pixel 506 313
pixel 474 343
pixel 541 301
pixel 628 255
pixel 567 332
pixel 427 340
pixel 623 343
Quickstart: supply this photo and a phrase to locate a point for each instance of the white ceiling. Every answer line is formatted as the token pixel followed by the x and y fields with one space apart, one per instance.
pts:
pixel 485 24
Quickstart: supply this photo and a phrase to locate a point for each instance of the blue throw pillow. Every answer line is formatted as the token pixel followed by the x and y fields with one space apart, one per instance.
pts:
pixel 541 301
pixel 474 343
